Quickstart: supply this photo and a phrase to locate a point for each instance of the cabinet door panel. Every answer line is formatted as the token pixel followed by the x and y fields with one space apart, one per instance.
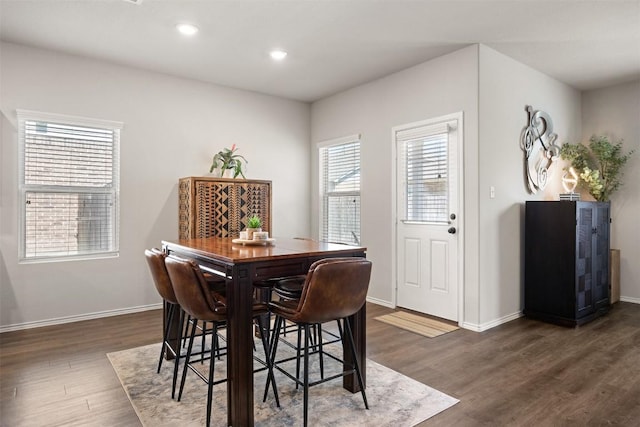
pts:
pixel 584 302
pixel 601 256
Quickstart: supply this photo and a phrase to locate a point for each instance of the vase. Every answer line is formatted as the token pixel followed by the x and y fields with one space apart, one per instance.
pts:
pixel 219 173
pixel 250 232
pixel 226 173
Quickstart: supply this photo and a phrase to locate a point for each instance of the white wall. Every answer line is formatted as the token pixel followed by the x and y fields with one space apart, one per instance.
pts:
pixel 442 86
pixel 615 112
pixel 172 127
pixel 506 86
pixel 492 91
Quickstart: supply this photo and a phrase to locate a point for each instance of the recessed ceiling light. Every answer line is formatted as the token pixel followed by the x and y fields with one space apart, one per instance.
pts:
pixel 187 29
pixel 278 55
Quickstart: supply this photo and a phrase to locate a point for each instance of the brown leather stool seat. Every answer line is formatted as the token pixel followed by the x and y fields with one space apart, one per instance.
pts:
pixel 284 287
pixel 289 287
pixel 334 289
pixel 216 283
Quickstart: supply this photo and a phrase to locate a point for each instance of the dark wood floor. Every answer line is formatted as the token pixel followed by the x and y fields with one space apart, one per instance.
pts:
pixel 522 373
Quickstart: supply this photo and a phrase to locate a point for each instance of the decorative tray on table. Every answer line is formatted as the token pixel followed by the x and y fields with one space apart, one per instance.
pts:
pixel 265 242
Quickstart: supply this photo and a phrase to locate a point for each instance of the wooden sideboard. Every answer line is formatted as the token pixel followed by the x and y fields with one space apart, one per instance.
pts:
pixel 220 207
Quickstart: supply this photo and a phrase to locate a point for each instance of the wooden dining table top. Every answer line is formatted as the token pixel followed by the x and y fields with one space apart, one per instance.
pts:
pixel 223 249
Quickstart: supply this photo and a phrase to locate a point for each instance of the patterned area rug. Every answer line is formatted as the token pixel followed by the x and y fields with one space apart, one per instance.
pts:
pixel 394 399
pixel 417 324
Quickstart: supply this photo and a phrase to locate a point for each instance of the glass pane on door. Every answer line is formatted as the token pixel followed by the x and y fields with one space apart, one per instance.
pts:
pixel 427 183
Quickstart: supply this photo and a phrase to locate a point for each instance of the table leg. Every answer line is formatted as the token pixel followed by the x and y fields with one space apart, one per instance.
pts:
pixel 240 347
pixel 359 327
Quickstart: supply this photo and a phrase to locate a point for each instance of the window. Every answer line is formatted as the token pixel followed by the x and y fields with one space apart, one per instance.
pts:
pixel 426 179
pixel 69 186
pixel 424 162
pixel 340 190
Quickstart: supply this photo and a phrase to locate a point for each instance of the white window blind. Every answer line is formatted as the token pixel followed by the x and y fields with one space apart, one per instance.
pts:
pixel 69 186
pixel 426 164
pixel 340 188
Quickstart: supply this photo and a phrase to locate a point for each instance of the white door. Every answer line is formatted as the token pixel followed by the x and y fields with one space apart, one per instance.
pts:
pixel 428 239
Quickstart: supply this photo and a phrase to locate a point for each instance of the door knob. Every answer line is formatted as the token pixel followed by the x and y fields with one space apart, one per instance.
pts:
pixel 451 230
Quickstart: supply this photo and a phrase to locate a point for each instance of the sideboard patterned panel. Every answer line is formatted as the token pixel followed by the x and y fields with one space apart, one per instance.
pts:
pixel 220 207
pixel 184 209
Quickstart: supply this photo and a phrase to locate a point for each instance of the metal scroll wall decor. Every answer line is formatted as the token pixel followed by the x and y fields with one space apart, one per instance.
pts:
pixel 538 142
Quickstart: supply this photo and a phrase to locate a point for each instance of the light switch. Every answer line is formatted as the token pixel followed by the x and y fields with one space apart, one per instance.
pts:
pixel 492 192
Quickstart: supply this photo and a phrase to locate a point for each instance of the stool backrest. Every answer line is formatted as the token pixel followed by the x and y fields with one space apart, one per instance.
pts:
pixel 335 288
pixel 192 291
pixel 155 259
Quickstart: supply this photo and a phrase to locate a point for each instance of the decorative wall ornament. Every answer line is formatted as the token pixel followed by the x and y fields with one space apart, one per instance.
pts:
pixel 538 142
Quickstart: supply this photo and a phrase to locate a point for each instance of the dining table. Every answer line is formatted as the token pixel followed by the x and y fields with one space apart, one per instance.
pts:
pixel 241 263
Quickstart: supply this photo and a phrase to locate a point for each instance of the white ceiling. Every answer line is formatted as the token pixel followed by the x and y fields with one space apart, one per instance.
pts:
pixel 333 44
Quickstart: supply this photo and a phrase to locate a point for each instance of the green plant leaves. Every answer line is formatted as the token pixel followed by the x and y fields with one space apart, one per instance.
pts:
pixel 228 159
pixel 599 165
pixel 254 222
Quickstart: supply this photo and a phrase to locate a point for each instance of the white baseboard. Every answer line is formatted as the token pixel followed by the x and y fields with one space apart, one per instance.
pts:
pixel 380 302
pixel 510 317
pixel 78 318
pixel 470 326
pixel 492 324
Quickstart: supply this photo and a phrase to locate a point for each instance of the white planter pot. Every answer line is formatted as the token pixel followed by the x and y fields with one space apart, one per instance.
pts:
pixel 250 232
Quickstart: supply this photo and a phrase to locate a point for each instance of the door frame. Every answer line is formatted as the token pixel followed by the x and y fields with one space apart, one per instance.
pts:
pixel 459 117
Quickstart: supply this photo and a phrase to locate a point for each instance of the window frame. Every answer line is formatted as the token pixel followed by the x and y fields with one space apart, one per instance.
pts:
pixel 323 193
pixel 24 189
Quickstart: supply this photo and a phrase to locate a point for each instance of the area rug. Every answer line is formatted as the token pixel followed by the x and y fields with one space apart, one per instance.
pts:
pixel 418 324
pixel 394 399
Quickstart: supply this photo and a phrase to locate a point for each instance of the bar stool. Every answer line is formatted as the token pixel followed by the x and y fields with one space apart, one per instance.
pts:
pixel 196 299
pixel 155 260
pixel 335 289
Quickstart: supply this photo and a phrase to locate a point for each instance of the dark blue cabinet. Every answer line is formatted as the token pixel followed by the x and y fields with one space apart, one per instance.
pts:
pixel 566 261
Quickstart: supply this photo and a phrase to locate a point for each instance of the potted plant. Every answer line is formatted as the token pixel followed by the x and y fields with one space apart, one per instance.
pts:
pixel 254 224
pixel 227 159
pixel 599 166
